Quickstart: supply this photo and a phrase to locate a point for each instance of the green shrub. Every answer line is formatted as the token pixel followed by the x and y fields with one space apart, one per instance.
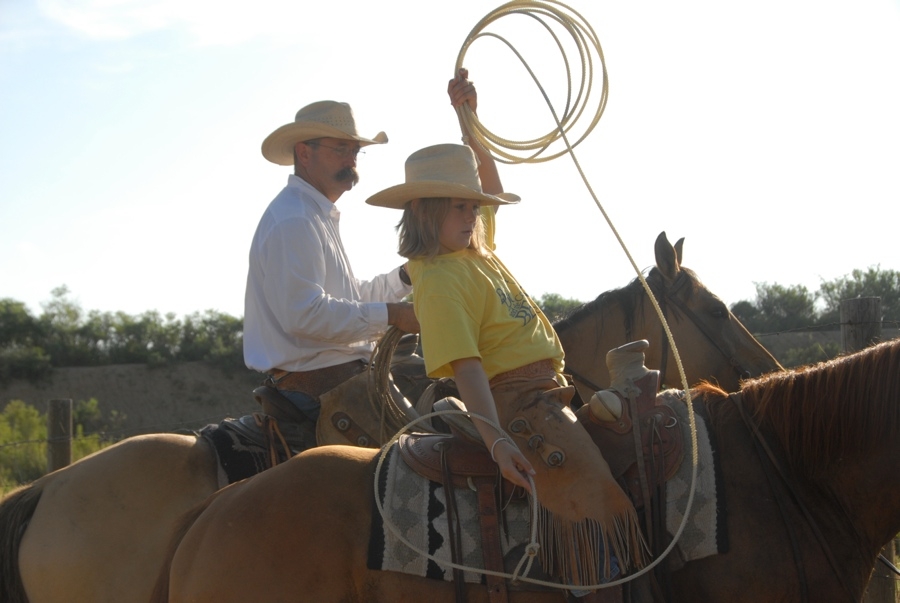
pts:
pixel 23 444
pixel 23 439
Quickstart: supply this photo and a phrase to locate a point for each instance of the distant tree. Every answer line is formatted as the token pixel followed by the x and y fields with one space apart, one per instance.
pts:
pixel 749 315
pixel 214 337
pixel 30 363
pixel 21 356
pixel 873 282
pixel 64 339
pixel 556 307
pixel 777 308
pixel 146 338
pixel 17 325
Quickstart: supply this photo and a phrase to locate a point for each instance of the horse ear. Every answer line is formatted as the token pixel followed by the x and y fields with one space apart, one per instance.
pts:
pixel 678 251
pixel 666 257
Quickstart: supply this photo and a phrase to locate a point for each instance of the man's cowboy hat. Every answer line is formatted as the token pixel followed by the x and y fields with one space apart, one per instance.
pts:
pixel 443 170
pixel 324 119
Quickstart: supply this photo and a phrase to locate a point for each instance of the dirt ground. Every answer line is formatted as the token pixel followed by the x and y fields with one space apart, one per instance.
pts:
pixel 159 399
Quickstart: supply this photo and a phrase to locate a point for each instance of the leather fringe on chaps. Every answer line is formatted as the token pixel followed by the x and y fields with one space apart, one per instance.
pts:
pixel 580 553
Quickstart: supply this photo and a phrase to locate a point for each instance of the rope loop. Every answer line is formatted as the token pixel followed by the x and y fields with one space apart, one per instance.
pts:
pixel 552 16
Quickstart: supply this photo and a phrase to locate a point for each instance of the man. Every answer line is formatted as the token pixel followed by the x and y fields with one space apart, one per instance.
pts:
pixel 308 322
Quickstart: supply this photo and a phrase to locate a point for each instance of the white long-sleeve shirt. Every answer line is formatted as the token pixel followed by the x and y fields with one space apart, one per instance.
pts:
pixel 303 307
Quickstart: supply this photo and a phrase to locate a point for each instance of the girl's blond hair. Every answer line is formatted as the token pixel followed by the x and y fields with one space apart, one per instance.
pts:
pixel 420 228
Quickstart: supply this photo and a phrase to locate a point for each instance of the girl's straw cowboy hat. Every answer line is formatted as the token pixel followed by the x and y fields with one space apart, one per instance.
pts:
pixel 324 119
pixel 443 170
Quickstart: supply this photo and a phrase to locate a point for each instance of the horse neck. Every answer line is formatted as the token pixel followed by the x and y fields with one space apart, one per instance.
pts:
pixel 866 498
pixel 838 424
pixel 587 337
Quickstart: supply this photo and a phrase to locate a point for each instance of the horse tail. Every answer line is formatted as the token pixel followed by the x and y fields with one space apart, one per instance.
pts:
pixel 16 510
pixel 161 589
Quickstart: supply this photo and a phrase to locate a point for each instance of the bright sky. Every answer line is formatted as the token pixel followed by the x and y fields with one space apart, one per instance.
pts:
pixel 765 133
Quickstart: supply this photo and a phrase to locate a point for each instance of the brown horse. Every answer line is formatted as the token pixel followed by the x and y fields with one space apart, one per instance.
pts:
pixel 814 497
pixel 710 340
pixel 95 530
pixel 811 475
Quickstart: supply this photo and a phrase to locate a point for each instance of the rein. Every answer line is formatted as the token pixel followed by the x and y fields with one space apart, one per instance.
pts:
pixel 893 568
pixel 576 376
pixel 762 448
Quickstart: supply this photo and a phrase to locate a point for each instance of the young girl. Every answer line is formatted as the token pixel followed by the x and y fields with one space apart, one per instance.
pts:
pixel 477 323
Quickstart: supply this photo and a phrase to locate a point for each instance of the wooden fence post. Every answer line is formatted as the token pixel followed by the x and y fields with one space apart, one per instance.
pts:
pixel 860 328
pixel 59 434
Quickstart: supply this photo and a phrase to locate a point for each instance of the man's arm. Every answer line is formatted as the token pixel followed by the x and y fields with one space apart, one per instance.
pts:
pixel 402 316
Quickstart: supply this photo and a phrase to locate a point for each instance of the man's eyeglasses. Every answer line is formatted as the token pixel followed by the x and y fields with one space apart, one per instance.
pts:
pixel 342 152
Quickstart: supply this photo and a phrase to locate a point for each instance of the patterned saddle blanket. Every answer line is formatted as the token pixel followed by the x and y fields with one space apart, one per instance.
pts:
pixel 415 509
pixel 705 533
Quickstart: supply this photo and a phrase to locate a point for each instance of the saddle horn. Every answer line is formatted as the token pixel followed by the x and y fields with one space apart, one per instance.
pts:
pixel 626 367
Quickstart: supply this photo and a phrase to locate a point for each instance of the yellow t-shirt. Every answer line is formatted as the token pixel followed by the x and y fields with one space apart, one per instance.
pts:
pixel 470 306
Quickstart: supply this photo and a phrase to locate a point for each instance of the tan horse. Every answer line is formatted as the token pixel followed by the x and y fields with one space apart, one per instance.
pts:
pixel 97 523
pixel 300 531
pixel 811 472
pixel 127 497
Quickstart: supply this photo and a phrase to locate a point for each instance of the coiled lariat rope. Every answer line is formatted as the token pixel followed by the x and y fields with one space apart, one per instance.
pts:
pixel 538 150
pixel 586 42
pixel 394 417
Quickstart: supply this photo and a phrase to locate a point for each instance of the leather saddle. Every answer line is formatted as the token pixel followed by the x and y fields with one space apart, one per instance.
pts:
pixel 276 405
pixel 428 453
pixel 461 452
pixel 626 417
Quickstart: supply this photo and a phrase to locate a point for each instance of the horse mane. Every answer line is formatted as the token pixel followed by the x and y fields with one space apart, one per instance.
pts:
pixel 825 412
pixel 630 298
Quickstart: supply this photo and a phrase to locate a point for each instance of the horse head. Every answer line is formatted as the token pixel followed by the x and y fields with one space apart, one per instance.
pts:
pixel 714 345
pixel 701 323
pixel 583 514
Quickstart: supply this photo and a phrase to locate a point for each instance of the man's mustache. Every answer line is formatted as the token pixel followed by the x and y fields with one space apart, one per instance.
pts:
pixel 348 174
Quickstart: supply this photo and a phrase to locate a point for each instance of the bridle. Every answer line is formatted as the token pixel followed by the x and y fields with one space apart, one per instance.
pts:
pixel 670 296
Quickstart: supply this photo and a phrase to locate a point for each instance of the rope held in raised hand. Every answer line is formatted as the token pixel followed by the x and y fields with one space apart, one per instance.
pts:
pixel 539 150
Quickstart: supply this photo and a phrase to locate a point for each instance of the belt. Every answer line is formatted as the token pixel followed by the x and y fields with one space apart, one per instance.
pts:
pixel 535 370
pixel 318 381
